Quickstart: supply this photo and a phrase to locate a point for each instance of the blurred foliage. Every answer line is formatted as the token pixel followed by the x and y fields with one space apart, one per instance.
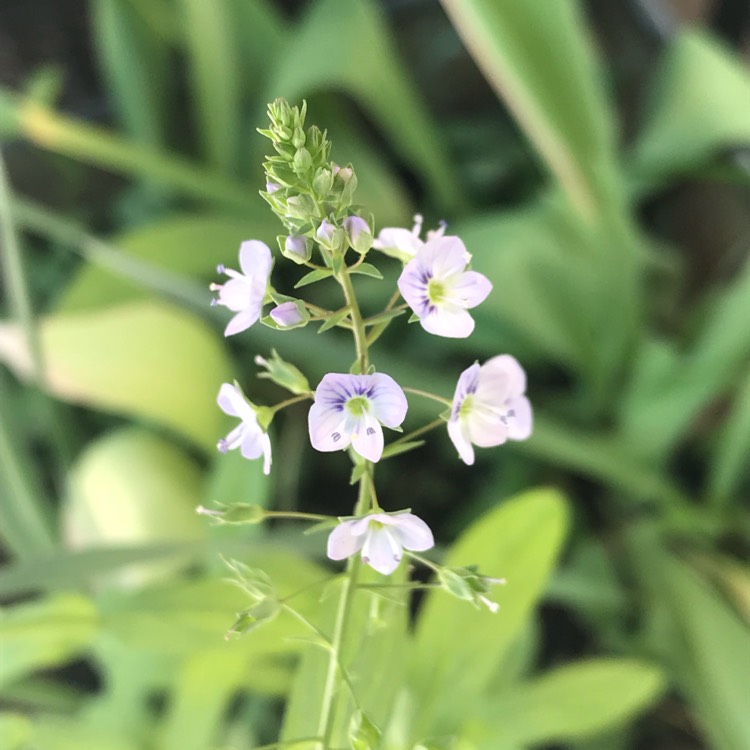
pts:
pixel 614 226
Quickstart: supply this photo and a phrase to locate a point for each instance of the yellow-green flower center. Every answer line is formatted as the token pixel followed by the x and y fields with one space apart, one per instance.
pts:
pixel 436 291
pixel 358 406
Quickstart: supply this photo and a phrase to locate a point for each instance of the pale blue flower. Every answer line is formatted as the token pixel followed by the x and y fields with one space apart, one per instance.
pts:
pixel 349 410
pixel 288 315
pixel 404 244
pixel 248 436
pixel 439 289
pixel 245 292
pixel 489 406
pixel 381 537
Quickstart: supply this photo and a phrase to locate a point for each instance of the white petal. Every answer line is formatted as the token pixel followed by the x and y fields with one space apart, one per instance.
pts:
pixel 388 401
pixel 232 402
pixel 342 543
pixel 449 321
pixel 381 551
pixel 328 427
pixel 236 294
pixel 412 283
pixel 520 423
pixel 445 256
pixel 252 443
pixel 266 444
pixel 367 440
pixel 468 289
pixel 459 435
pixel 486 427
pixel 411 532
pixel 255 259
pixel 241 322
pixel 503 377
pixel 401 239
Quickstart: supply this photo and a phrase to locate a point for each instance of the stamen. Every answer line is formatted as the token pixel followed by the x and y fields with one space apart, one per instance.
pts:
pixel 221 268
pixel 222 446
pixel 214 302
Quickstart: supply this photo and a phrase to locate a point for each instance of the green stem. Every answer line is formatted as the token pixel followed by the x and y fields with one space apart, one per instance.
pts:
pixel 377 329
pixel 416 433
pixel 427 394
pixel 358 325
pixel 348 587
pixel 291 401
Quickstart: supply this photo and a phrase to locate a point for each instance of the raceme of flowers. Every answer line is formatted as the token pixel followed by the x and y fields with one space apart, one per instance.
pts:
pixel 349 410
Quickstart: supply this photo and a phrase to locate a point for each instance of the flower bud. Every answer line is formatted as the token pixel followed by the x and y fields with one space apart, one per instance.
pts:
pixel 272 187
pixel 290 314
pixel 358 233
pixel 297 249
pixel 283 373
pixel 330 236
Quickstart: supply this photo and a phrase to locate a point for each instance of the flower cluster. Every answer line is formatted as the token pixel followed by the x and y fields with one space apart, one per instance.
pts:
pixel 313 198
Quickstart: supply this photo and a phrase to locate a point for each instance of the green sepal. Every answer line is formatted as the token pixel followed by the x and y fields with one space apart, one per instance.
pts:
pixel 284 374
pixel 249 619
pixel 413 318
pixel 317 275
pixel 358 471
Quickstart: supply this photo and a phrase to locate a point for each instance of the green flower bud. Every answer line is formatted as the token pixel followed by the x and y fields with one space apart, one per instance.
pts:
pixel 283 373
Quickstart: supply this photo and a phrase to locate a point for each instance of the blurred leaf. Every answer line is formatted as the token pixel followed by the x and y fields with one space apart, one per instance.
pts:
pixel 44 634
pixel 56 733
pixel 537 57
pixel 186 244
pixel 731 576
pixel 568 703
pixel 370 72
pixel 132 359
pixel 92 144
pixel 706 645
pixel 668 389
pixel 729 466
pixel 215 78
pixel 129 488
pixel 134 65
pixel 206 684
pixel 519 540
pixel 699 107
pixel 15 731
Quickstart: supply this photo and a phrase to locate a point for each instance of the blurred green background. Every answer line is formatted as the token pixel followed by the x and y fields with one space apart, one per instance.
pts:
pixel 595 159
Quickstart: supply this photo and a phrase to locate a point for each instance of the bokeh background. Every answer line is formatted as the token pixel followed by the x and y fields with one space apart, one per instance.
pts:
pixel 595 159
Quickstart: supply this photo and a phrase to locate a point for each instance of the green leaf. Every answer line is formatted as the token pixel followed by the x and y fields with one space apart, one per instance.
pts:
pixel 568 703
pixel 704 643
pixel 190 246
pixel 669 389
pixel 367 269
pixel 698 107
pixel 44 634
pixel 519 540
pixel 369 72
pixel 132 359
pixel 131 488
pixel 334 320
pixel 215 79
pixel 134 64
pixel 729 466
pixel 537 57
pixel 15 731
pixel 313 276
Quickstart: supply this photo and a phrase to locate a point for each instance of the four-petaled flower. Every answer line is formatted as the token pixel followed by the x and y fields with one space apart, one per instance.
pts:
pixel 404 244
pixel 245 292
pixel 489 406
pixel 381 537
pixel 248 436
pixel 439 289
pixel 349 410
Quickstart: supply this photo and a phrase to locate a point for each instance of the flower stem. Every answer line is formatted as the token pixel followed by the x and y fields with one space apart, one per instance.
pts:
pixel 427 394
pixel 290 402
pixel 358 325
pixel 348 586
pixel 416 433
